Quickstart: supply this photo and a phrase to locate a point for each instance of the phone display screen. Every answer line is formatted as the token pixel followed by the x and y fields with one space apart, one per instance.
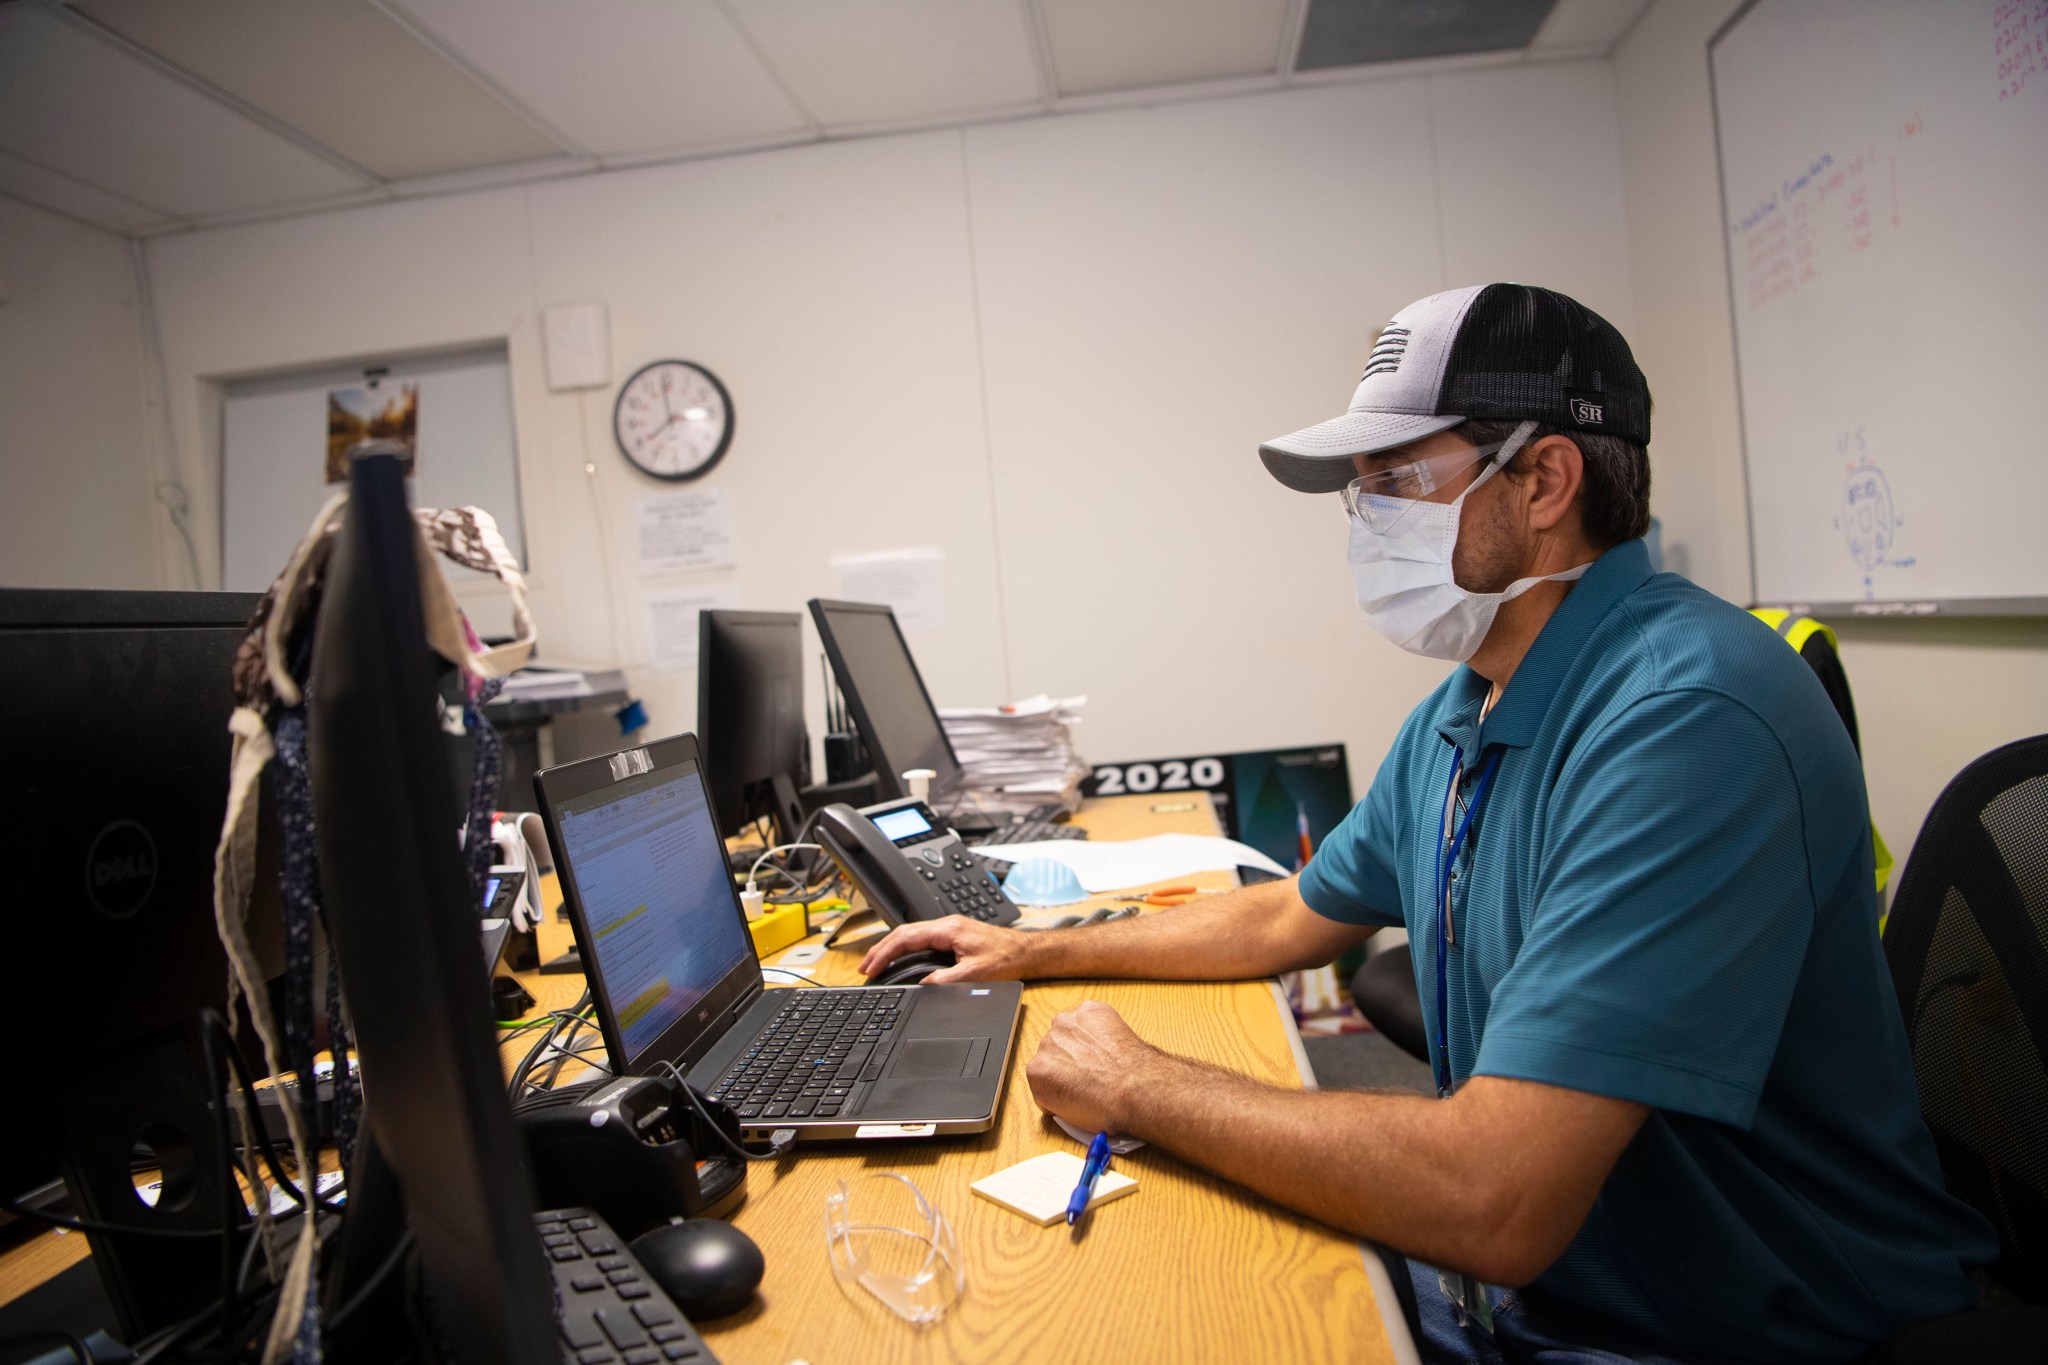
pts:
pixel 898 825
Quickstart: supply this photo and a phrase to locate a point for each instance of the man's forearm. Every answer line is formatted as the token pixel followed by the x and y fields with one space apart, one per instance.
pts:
pixel 1240 935
pixel 1495 1182
pixel 1380 1164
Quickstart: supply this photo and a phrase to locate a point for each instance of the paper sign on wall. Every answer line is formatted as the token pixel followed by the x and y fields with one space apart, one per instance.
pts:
pixel 912 582
pixel 685 530
pixel 672 621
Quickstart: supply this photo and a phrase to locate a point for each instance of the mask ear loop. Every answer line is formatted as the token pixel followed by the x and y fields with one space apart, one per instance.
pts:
pixel 1509 448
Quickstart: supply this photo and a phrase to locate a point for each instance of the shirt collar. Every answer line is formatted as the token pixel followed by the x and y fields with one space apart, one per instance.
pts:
pixel 1515 719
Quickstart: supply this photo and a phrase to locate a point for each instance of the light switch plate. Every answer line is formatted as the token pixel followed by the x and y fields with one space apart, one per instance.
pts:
pixel 577 341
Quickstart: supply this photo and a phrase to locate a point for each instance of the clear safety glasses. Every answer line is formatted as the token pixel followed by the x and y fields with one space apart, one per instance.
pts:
pixel 883 1235
pixel 1380 499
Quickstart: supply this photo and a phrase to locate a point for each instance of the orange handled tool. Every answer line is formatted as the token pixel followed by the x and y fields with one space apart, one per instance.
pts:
pixel 1165 895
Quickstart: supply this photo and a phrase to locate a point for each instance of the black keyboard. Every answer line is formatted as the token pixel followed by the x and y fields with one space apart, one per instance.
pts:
pixel 806 1062
pixel 1031 831
pixel 610 1312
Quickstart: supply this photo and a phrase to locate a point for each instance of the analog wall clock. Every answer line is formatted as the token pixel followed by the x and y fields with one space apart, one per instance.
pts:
pixel 673 420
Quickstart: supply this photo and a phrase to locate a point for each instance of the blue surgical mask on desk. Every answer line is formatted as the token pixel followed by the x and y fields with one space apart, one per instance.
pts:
pixel 1402 572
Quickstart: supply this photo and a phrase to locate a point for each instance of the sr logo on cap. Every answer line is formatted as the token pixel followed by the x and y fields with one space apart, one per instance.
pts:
pixel 1587 411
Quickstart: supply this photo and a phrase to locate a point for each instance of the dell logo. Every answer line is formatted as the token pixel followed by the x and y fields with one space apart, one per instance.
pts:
pixel 1589 412
pixel 120 869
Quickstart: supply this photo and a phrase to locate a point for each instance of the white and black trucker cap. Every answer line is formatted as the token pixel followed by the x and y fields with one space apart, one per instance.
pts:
pixel 1509 352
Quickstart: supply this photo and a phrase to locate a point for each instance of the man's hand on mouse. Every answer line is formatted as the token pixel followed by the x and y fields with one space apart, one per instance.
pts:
pixel 984 952
pixel 1086 1066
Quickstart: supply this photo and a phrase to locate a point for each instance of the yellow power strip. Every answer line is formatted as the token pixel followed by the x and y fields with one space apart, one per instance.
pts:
pixel 777 928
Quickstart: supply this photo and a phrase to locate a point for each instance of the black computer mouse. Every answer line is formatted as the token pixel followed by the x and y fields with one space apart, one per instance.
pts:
pixel 709 1268
pixel 913 967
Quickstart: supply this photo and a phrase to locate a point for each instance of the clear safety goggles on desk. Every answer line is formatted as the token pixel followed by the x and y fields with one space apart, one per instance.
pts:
pixel 884 1235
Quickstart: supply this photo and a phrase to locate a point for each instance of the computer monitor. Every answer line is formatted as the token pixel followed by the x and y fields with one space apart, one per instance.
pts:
pixel 404 931
pixel 116 752
pixel 898 723
pixel 750 717
pixel 116 758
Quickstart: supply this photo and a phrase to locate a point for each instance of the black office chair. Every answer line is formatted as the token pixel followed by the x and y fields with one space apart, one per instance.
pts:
pixel 1968 952
pixel 1383 988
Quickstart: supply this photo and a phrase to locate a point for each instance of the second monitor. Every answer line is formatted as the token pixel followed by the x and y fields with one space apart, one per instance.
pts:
pixel 750 713
pixel 898 723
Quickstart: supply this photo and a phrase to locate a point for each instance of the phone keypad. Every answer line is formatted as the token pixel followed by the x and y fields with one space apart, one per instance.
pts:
pixel 970 889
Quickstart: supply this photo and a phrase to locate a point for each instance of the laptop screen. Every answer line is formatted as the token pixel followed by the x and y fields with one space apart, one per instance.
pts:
pixel 650 875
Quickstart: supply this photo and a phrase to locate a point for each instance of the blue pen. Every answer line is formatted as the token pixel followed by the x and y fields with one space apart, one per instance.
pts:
pixel 1091 1171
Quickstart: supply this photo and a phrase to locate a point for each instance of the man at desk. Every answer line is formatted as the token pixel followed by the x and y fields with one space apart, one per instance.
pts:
pixel 1628 839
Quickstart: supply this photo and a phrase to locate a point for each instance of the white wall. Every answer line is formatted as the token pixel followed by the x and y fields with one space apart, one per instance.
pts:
pixel 75 481
pixel 1930 695
pixel 1049 347
pixel 1162 289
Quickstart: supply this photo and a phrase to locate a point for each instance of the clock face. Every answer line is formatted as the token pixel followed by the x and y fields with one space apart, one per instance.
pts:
pixel 673 419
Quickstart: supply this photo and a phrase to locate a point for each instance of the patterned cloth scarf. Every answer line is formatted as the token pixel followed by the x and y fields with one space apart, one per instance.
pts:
pixel 272 677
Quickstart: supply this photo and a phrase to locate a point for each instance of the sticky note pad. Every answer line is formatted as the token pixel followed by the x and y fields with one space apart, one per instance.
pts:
pixel 1040 1188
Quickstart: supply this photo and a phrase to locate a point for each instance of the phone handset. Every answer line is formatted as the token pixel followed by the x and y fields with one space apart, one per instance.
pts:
pixel 892 889
pixel 909 866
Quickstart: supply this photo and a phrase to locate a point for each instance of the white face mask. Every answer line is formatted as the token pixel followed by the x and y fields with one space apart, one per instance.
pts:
pixel 1404 582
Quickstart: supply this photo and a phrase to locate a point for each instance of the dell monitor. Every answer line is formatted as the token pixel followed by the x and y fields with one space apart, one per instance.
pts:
pixel 117 777
pixel 898 723
pixel 116 752
pixel 403 926
pixel 750 714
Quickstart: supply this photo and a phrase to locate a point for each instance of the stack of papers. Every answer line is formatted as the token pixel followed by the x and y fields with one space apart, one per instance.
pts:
pixel 546 684
pixel 1018 756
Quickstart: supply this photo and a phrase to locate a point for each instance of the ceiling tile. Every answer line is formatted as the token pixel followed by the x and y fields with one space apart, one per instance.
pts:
pixel 896 61
pixel 85 109
pixel 61 194
pixel 617 77
pixel 339 71
pixel 1590 24
pixel 1353 32
pixel 1117 44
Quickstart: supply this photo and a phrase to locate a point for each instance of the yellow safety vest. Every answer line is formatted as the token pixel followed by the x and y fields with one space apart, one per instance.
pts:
pixel 1796 631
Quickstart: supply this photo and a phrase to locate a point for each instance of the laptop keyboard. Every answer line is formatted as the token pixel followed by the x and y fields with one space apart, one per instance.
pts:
pixel 805 1064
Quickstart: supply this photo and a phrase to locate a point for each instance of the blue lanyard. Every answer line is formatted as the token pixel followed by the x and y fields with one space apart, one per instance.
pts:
pixel 1440 1062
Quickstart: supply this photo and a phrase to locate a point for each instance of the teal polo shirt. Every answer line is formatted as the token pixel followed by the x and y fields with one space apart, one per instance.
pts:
pixel 1668 897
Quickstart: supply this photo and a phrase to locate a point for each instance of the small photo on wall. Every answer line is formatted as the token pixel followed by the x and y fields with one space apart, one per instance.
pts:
pixel 386 412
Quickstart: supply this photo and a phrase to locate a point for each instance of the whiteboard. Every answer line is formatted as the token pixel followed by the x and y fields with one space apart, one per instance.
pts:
pixel 1884 188
pixel 273 451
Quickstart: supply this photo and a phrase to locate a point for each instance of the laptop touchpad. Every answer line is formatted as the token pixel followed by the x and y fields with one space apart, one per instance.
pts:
pixel 938 1058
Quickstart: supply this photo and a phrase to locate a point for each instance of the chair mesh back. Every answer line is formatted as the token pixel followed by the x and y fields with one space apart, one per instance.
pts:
pixel 1968 950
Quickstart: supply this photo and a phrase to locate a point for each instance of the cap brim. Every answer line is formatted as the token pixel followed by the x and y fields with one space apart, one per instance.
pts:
pixel 1318 459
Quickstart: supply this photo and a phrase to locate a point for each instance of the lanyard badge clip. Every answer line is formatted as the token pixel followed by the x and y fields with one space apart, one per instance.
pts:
pixel 1452 830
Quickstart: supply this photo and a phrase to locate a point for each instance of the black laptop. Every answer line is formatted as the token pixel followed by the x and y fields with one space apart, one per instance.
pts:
pixel 675 979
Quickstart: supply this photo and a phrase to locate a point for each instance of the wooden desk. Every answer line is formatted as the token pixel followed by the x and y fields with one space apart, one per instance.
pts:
pixel 1189 1268
pixel 32 1257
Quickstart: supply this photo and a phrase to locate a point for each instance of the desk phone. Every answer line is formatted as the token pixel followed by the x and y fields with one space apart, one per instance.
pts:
pixel 909 865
